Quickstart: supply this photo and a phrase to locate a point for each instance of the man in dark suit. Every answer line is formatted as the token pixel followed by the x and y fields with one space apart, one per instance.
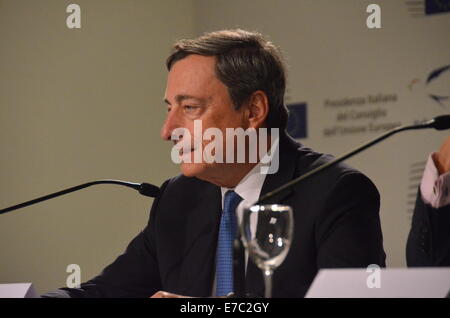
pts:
pixel 235 79
pixel 429 238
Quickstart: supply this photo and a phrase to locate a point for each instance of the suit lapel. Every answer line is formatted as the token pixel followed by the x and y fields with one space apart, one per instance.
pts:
pixel 200 243
pixel 287 163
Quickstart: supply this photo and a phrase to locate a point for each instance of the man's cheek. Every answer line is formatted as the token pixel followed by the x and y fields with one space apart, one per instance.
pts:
pixel 213 150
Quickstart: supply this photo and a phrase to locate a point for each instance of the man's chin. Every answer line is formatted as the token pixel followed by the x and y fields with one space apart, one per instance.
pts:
pixel 192 169
pixel 211 173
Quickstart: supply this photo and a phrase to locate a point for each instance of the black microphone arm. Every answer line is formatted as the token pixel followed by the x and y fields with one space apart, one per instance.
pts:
pixel 146 189
pixel 438 123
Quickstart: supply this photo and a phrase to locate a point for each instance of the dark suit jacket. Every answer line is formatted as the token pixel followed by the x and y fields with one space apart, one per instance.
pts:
pixel 429 238
pixel 337 224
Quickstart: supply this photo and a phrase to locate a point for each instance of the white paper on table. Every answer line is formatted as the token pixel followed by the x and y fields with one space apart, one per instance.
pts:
pixel 430 282
pixel 19 290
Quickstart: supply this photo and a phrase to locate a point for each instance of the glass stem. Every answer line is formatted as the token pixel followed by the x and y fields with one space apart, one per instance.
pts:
pixel 268 272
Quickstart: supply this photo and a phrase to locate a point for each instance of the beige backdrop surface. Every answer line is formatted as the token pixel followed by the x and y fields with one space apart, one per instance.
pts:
pixel 79 105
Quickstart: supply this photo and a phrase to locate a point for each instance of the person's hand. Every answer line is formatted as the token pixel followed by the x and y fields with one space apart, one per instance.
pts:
pixel 163 294
pixel 442 158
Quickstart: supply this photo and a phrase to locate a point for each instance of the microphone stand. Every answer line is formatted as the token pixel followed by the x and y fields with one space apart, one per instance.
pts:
pixel 143 188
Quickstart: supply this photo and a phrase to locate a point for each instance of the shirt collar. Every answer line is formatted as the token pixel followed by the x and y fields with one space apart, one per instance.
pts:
pixel 250 186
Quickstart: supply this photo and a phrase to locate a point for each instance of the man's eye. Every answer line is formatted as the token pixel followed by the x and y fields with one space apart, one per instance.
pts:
pixel 190 108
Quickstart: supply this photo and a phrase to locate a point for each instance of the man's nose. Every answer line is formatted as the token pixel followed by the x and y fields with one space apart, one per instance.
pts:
pixel 169 125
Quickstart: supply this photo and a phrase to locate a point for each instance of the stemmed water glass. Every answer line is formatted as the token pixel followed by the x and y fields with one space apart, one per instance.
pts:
pixel 266 232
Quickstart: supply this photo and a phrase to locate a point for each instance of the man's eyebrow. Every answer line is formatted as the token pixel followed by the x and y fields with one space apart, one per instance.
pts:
pixel 180 98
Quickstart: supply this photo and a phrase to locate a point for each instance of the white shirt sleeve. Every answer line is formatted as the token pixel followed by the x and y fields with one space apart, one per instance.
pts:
pixel 434 188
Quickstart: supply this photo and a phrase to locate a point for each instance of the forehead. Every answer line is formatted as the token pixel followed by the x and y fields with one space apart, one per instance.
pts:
pixel 193 74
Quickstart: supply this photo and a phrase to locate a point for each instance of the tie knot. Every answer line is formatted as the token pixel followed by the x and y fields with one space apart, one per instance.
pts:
pixel 231 201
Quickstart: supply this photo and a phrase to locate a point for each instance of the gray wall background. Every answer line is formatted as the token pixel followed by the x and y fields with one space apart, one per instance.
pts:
pixel 75 106
pixel 79 105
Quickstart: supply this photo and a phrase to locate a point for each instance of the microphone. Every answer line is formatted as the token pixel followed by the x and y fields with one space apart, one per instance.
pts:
pixel 439 123
pixel 146 189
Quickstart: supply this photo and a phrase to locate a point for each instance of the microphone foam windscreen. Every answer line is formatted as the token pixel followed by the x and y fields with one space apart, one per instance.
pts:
pixel 149 190
pixel 442 122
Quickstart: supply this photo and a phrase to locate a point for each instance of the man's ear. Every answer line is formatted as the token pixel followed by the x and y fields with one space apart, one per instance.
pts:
pixel 258 109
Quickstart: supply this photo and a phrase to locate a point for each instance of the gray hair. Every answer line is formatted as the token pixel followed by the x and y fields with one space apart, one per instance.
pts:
pixel 246 62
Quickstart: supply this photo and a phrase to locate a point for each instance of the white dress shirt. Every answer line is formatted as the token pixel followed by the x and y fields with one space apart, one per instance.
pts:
pixel 249 190
pixel 435 188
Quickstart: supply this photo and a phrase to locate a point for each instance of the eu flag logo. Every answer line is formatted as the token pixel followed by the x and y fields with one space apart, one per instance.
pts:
pixel 437 6
pixel 297 126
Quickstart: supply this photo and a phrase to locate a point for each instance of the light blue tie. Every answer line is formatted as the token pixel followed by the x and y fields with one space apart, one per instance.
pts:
pixel 227 234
